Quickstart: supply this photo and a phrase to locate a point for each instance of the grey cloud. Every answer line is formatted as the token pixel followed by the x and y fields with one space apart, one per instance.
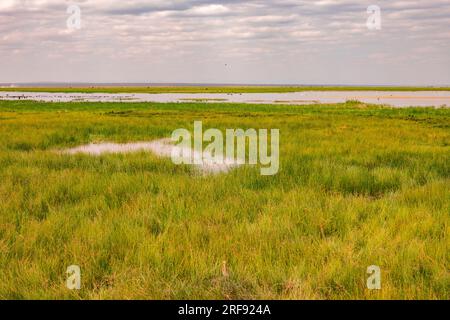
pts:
pixel 163 40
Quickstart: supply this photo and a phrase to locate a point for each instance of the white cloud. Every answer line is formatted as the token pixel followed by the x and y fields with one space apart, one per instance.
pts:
pixel 209 10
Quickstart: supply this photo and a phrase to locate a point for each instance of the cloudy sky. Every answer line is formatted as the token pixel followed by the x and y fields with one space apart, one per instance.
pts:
pixel 212 41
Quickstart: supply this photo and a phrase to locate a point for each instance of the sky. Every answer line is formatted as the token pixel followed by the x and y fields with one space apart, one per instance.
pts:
pixel 240 42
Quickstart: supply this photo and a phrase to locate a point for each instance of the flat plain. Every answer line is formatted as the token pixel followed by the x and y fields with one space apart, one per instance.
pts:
pixel 231 89
pixel 359 185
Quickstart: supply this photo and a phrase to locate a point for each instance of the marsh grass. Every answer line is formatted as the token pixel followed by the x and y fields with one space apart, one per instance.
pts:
pixel 359 185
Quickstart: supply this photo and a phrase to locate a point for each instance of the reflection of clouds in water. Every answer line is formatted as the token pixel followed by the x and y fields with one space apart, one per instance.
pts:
pixel 161 148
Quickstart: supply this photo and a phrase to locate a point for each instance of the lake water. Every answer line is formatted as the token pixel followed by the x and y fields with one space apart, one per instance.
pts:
pixel 395 99
pixel 161 148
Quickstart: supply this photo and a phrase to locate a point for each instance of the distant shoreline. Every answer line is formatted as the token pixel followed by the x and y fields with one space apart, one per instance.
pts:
pixel 199 88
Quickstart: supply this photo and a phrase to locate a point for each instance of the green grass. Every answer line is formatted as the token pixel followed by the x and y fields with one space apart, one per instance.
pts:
pixel 359 185
pixel 219 89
